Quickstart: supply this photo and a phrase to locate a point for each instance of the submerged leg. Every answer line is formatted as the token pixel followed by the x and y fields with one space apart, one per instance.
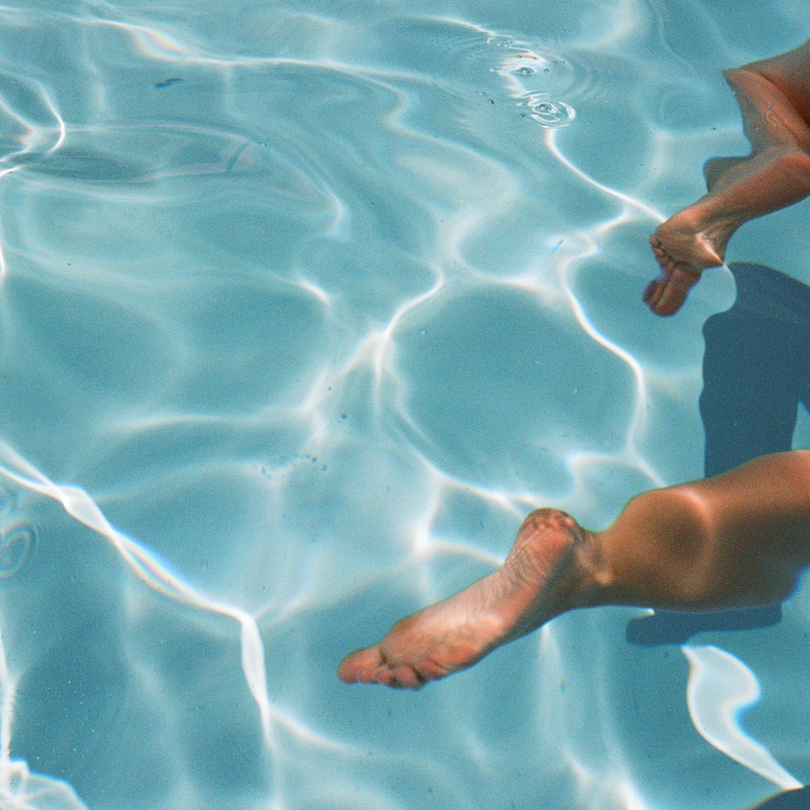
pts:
pixel 756 369
pixel 774 99
pixel 739 539
pixel 545 574
pixel 715 168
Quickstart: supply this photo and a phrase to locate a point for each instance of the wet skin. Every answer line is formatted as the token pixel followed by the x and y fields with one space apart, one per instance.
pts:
pixel 774 99
pixel 738 539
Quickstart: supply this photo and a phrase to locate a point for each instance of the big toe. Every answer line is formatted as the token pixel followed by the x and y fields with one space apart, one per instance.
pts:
pixel 665 296
pixel 360 666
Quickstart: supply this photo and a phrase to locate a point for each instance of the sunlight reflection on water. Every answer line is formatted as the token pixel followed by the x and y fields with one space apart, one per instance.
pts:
pixel 302 310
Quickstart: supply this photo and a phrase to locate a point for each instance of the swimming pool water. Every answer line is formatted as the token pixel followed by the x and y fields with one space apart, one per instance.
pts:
pixel 303 307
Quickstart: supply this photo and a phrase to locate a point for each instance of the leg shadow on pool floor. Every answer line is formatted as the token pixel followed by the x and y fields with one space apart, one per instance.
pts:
pixel 798 799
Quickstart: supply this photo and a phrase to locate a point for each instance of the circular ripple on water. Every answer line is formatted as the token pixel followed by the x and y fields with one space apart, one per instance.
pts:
pixel 538 81
pixel 15 548
pixel 554 83
pixel 549 113
pixel 463 56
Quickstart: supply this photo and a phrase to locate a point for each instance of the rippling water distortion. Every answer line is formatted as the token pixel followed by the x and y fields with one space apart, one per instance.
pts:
pixel 303 308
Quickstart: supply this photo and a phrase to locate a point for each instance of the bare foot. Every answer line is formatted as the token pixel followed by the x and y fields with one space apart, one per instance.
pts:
pixel 696 238
pixel 545 574
pixel 684 246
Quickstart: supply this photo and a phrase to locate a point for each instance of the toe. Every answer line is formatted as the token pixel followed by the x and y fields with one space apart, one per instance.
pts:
pixel 671 293
pixel 652 293
pixel 405 677
pixel 668 304
pixel 431 670
pixel 360 666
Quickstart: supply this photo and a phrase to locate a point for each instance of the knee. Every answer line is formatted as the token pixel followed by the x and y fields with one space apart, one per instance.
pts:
pixel 794 162
pixel 674 547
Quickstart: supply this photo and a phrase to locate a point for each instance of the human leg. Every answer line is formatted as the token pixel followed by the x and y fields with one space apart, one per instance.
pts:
pixel 739 539
pixel 756 369
pixel 735 540
pixel 696 238
pixel 773 103
pixel 791 73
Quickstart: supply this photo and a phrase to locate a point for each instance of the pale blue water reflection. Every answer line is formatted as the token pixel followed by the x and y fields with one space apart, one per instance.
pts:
pixel 303 307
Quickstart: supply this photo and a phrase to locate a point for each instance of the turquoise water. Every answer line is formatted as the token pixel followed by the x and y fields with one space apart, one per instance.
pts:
pixel 303 307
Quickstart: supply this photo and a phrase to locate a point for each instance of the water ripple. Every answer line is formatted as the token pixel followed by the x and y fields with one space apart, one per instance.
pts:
pixel 314 303
pixel 16 546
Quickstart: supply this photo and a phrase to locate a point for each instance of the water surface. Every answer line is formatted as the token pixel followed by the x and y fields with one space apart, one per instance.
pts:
pixel 303 307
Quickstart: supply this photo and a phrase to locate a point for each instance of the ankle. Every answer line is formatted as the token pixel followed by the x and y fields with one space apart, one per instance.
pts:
pixel 592 577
